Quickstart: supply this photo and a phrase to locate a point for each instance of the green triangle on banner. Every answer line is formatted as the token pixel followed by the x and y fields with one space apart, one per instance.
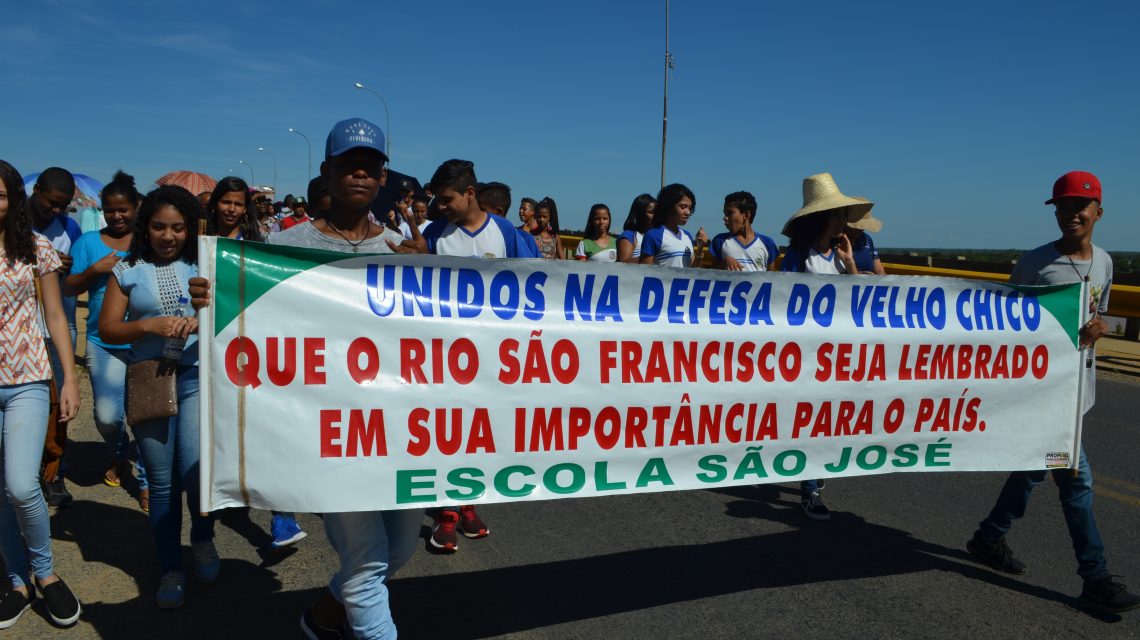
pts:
pixel 245 271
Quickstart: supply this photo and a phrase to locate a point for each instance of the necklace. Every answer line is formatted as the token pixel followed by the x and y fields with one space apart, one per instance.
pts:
pixel 1072 264
pixel 355 245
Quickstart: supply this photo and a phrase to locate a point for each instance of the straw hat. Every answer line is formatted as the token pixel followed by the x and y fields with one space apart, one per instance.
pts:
pixel 867 222
pixel 822 194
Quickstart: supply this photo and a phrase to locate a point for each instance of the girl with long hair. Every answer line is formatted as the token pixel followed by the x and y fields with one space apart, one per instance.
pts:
pixel 639 220
pixel 229 212
pixel 28 263
pixel 545 230
pixel 597 244
pixel 147 304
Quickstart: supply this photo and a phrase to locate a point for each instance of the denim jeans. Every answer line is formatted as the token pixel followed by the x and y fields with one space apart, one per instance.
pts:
pixel 23 512
pixel 808 487
pixel 1076 494
pixel 169 449
pixel 372 545
pixel 108 370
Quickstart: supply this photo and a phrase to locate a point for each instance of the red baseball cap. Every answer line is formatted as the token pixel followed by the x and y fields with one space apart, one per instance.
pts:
pixel 1079 184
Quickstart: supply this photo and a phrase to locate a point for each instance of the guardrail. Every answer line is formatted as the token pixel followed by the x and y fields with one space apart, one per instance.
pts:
pixel 1124 301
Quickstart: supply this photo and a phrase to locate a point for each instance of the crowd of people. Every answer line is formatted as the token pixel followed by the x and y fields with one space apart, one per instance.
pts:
pixel 139 273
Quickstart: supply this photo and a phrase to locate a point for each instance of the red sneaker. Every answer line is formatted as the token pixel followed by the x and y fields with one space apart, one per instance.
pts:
pixel 470 523
pixel 443 531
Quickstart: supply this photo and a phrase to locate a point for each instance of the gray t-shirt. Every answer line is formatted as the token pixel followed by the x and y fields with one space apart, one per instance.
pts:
pixel 1045 265
pixel 306 236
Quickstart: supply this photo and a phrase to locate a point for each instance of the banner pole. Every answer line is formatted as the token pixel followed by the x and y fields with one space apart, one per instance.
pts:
pixel 1082 372
pixel 205 367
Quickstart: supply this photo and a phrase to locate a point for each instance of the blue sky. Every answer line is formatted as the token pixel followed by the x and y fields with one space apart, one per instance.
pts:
pixel 954 118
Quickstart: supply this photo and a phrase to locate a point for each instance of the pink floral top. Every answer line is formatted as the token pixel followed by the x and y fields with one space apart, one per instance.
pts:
pixel 23 354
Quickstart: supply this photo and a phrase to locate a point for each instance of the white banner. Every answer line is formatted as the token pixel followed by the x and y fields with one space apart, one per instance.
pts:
pixel 343 382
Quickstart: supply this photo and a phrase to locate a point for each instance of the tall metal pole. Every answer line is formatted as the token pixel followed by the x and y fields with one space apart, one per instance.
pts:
pixel 310 152
pixel 387 119
pixel 665 102
pixel 251 180
pixel 274 167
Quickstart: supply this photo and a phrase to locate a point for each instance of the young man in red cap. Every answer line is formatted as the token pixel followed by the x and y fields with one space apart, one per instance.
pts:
pixel 1072 258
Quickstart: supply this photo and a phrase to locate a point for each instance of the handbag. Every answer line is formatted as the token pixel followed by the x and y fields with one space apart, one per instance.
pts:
pixel 152 390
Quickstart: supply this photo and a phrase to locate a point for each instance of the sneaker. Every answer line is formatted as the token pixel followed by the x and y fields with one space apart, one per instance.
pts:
pixel 170 590
pixel 995 554
pixel 207 565
pixel 814 507
pixel 285 531
pixel 14 604
pixel 471 524
pixel 443 531
pixel 315 631
pixel 56 493
pixel 62 605
pixel 1108 596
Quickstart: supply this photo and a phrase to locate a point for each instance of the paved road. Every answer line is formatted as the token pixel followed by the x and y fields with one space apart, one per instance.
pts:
pixel 740 563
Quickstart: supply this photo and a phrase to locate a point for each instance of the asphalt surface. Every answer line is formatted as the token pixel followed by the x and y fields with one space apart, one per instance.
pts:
pixel 739 563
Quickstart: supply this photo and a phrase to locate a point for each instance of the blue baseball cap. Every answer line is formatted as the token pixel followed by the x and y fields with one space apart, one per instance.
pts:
pixel 354 133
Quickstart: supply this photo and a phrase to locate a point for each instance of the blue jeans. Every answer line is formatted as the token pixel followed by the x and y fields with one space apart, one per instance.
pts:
pixel 808 487
pixel 23 512
pixel 169 449
pixel 108 370
pixel 372 545
pixel 1076 495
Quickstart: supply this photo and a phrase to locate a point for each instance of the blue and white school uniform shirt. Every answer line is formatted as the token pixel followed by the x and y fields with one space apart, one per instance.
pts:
pixel 633 237
pixel 497 238
pixel 755 256
pixel 865 254
pixel 815 263
pixel 667 248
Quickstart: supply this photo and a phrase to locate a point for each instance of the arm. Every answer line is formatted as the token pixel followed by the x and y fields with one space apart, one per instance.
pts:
pixel 417 244
pixel 844 252
pixel 878 269
pixel 61 340
pixel 114 329
pixel 559 252
pixel 625 251
pixel 78 283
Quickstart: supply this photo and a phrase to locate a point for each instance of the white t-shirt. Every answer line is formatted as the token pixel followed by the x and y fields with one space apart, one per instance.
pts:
pixel 1045 265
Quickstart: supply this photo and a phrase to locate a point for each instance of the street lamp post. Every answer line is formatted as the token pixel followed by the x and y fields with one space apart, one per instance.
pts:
pixel 387 119
pixel 274 167
pixel 252 181
pixel 310 151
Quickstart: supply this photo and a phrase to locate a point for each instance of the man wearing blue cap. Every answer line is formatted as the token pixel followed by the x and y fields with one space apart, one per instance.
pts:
pixel 372 545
